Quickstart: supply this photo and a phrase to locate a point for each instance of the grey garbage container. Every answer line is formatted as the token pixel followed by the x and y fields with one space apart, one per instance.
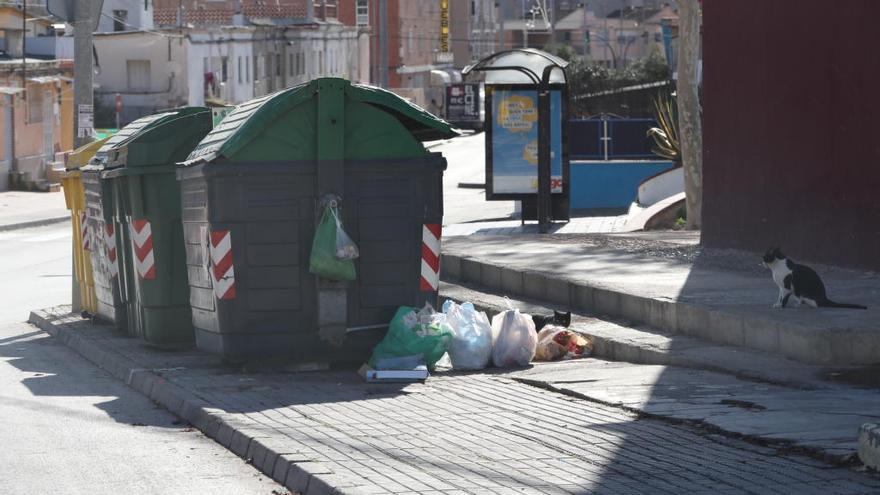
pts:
pixel 250 196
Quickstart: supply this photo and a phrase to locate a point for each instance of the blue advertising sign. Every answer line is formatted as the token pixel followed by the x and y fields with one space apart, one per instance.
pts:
pixel 515 141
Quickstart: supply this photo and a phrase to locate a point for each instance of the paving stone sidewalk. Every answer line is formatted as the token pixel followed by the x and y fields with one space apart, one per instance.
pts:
pixel 743 392
pixel 824 421
pixel 328 432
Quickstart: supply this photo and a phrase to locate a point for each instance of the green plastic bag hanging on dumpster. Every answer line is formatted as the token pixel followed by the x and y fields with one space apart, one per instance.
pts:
pixel 420 334
pixel 323 261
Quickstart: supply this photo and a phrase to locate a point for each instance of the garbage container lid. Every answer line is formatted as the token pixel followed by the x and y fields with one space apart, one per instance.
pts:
pixel 249 119
pixel 114 152
pixel 80 157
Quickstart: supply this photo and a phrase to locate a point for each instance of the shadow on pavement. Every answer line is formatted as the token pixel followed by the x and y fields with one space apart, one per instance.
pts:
pixel 56 371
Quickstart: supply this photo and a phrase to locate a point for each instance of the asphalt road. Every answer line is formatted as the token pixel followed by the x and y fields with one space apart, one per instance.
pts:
pixel 68 427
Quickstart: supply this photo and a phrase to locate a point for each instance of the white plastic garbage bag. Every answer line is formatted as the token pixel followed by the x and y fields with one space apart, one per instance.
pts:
pixel 471 346
pixel 515 339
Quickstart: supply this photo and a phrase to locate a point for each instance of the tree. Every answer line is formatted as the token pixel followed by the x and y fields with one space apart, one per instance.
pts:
pixel 689 114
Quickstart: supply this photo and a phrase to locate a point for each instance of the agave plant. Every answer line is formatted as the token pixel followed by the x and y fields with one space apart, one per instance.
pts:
pixel 666 143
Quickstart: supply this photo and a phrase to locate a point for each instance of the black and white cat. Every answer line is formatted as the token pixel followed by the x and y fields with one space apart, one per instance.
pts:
pixel 801 281
pixel 557 318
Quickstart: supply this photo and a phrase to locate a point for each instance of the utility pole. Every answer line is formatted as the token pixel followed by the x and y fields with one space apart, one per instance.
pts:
pixel 607 41
pixel 585 31
pixel 83 112
pixel 499 11
pixel 620 33
pixel 689 115
pixel 551 16
pixel 383 44
pixel 24 48
pixel 82 73
pixel 525 35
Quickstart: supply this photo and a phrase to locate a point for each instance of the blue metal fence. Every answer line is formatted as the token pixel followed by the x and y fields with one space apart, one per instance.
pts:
pixel 610 139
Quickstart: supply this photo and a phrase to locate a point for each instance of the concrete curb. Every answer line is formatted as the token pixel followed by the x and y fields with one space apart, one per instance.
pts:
pixel 614 341
pixel 798 342
pixel 869 445
pixel 34 223
pixel 243 439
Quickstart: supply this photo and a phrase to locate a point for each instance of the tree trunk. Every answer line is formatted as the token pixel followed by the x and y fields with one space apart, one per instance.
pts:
pixel 689 114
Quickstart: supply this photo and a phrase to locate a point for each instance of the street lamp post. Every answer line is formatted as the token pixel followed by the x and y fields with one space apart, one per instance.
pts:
pixel 630 42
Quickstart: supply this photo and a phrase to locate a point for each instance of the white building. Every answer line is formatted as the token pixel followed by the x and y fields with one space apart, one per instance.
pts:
pixel 125 15
pixel 217 64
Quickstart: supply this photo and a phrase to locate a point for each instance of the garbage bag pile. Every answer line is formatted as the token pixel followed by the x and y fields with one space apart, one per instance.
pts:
pixel 421 337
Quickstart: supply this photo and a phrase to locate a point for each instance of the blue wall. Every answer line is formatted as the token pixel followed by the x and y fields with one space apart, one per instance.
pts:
pixel 611 184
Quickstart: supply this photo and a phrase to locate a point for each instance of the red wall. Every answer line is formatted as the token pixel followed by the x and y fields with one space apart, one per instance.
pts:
pixel 791 123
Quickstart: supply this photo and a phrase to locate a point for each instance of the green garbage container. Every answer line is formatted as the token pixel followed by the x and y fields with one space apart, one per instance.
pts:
pixel 105 245
pixel 140 175
pixel 252 195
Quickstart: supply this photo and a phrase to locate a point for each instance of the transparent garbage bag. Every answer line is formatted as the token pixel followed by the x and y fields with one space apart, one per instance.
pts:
pixel 556 343
pixel 346 249
pixel 471 347
pixel 514 338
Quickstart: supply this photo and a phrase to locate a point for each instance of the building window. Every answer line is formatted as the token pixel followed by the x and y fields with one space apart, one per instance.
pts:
pixel 239 70
pixel 278 65
pixel 120 20
pixel 247 68
pixel 224 65
pixel 658 37
pixel 138 72
pixel 289 64
pixel 362 12
pixel 34 104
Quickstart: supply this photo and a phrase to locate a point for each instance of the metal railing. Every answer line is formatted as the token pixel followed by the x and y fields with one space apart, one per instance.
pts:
pixel 610 138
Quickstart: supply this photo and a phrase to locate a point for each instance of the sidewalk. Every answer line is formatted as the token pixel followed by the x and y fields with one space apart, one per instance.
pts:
pixel 20 209
pixel 676 287
pixel 486 432
pixel 748 393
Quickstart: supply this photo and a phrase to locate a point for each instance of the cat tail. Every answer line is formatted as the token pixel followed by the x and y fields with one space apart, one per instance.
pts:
pixel 828 303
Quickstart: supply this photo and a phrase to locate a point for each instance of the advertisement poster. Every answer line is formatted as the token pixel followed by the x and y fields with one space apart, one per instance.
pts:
pixel 515 141
pixel 463 102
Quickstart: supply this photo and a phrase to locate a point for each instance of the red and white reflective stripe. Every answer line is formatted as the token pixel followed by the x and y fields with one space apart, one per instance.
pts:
pixel 222 270
pixel 110 249
pixel 142 242
pixel 430 280
pixel 84 231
